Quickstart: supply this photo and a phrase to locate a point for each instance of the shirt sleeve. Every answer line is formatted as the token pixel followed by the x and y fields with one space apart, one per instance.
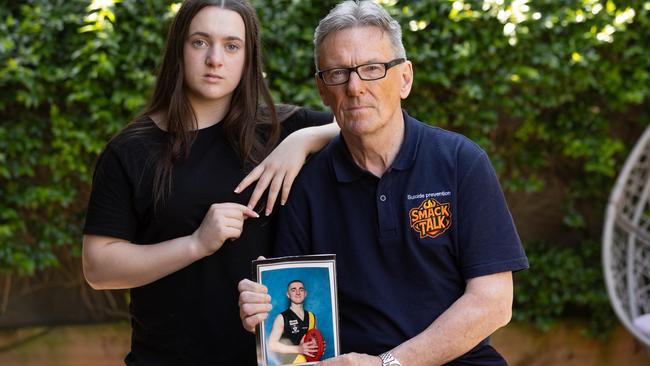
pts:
pixel 110 208
pixel 292 236
pixel 304 117
pixel 488 239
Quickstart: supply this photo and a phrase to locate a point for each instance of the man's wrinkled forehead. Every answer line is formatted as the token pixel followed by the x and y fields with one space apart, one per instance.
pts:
pixel 340 40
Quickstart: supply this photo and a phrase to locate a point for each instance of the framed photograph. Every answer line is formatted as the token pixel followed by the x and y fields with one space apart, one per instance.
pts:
pixel 303 326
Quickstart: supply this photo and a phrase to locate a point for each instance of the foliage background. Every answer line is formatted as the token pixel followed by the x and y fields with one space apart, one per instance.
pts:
pixel 555 91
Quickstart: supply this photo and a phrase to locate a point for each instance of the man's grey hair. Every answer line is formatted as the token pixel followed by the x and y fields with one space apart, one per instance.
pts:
pixel 359 13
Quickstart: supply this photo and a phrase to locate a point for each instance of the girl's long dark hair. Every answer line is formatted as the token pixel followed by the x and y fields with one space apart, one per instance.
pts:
pixel 251 133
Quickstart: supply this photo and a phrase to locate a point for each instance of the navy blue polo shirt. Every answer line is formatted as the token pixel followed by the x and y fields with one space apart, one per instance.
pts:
pixel 405 243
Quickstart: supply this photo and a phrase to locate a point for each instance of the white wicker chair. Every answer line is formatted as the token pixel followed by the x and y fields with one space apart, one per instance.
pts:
pixel 626 240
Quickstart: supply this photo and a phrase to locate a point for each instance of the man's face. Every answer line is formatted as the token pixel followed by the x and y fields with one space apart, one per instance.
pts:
pixel 363 107
pixel 296 292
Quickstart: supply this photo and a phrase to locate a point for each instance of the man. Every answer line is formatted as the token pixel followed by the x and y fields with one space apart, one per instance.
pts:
pixel 424 240
pixel 292 324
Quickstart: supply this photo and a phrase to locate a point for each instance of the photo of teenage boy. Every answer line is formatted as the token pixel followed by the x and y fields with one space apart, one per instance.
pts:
pixel 290 326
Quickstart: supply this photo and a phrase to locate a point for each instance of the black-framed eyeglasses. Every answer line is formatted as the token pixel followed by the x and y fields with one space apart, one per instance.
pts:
pixel 367 72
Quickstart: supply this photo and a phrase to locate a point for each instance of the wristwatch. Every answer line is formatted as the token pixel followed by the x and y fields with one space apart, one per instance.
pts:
pixel 388 359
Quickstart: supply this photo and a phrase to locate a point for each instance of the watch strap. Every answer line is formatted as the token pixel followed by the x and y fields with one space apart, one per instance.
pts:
pixel 388 359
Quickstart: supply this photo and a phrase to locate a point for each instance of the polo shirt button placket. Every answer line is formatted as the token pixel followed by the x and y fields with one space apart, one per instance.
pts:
pixel 385 212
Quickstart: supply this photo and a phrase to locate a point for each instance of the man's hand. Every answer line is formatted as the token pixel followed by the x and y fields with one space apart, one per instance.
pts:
pixel 352 359
pixel 254 304
pixel 308 349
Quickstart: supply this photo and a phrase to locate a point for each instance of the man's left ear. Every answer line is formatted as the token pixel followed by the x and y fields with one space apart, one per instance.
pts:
pixel 406 79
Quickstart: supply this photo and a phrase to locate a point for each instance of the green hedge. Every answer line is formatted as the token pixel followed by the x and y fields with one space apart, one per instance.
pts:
pixel 563 282
pixel 549 88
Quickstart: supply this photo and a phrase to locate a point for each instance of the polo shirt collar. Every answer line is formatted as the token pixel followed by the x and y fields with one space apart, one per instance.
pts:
pixel 347 170
pixel 408 150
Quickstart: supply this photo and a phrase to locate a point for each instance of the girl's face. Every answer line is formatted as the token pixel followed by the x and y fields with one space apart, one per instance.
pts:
pixel 214 55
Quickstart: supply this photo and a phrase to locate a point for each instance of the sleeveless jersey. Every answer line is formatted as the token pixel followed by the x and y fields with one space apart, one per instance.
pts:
pixel 294 327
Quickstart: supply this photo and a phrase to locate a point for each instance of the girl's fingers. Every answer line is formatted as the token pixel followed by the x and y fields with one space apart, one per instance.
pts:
pixel 274 189
pixel 254 175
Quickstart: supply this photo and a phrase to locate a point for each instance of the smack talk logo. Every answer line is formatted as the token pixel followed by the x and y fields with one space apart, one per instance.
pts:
pixel 431 218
